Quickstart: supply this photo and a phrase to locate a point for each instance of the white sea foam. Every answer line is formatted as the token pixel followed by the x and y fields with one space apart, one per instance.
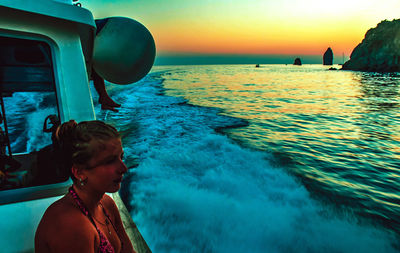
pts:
pixel 197 191
pixel 217 197
pixel 25 112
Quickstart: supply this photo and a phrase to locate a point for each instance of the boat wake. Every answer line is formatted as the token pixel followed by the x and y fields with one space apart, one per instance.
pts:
pixel 195 190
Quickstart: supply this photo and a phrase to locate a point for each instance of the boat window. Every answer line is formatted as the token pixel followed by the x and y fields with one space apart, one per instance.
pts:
pixel 29 115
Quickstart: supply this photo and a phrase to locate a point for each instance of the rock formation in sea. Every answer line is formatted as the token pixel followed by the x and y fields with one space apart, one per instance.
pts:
pixel 379 51
pixel 328 57
pixel 297 61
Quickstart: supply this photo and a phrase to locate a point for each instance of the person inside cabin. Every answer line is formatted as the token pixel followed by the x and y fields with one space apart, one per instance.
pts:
pixel 48 168
pixel 7 163
pixel 86 220
pixel 55 122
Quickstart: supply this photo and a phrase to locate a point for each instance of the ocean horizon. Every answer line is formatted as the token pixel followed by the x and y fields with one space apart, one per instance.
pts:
pixel 210 59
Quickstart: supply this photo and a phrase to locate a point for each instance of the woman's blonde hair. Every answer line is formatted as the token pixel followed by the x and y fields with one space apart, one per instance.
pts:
pixel 78 143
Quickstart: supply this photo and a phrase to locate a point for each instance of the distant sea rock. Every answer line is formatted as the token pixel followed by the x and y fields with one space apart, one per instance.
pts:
pixel 379 51
pixel 328 57
pixel 297 61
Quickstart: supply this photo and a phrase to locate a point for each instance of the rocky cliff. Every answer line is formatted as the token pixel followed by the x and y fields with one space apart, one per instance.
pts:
pixel 379 50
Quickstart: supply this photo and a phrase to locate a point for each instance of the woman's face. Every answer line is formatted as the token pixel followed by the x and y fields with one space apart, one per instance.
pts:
pixel 106 167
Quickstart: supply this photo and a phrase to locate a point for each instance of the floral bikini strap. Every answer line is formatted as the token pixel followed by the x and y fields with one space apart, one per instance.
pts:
pixel 79 202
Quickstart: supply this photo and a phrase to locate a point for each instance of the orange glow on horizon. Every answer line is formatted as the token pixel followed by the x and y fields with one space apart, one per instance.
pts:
pixel 220 41
pixel 295 27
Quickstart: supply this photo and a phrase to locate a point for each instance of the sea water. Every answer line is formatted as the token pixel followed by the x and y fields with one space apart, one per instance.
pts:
pixel 280 158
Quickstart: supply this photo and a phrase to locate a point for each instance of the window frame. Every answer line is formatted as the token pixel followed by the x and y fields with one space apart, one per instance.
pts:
pixel 21 194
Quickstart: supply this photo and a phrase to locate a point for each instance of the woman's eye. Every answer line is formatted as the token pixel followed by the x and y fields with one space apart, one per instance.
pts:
pixel 114 159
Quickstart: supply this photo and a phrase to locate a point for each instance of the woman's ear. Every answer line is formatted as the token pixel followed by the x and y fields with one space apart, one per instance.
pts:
pixel 78 172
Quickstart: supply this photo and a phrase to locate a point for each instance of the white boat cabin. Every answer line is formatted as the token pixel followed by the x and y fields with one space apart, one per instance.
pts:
pixel 45 60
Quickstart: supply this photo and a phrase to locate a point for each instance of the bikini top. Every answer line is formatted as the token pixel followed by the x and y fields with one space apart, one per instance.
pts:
pixel 105 245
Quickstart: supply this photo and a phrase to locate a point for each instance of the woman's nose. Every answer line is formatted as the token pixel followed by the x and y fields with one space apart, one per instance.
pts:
pixel 123 168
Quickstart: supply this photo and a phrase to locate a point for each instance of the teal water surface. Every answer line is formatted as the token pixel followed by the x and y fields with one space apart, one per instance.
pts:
pixel 337 131
pixel 281 158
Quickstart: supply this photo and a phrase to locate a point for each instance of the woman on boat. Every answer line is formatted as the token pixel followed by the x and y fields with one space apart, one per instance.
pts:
pixel 86 219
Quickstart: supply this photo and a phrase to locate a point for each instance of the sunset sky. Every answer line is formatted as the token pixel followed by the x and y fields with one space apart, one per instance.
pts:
pixel 252 27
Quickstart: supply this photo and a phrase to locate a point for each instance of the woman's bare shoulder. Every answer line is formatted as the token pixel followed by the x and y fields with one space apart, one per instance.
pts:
pixel 62 207
pixel 64 214
pixel 63 227
pixel 109 203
